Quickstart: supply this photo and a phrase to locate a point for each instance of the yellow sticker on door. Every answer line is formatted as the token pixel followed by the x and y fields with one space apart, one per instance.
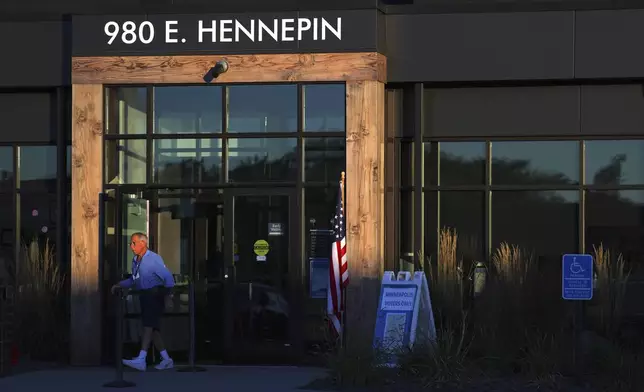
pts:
pixel 261 248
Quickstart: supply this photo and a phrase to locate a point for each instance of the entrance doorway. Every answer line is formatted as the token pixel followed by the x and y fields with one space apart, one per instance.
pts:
pixel 236 245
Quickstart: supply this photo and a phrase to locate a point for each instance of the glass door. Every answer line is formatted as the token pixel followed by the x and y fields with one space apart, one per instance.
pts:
pixel 261 273
pixel 124 211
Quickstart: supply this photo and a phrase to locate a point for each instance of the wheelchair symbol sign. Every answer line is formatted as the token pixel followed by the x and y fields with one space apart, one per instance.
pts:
pixel 577 277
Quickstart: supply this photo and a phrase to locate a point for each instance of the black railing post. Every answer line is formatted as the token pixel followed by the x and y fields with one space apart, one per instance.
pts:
pixel 191 323
pixel 119 382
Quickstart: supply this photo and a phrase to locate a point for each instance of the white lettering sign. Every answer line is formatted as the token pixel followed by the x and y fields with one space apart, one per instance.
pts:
pixel 227 30
pixel 398 299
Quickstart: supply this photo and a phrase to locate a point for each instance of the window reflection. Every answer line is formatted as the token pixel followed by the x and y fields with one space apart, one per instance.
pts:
pixel 38 167
pixel 464 212
pixel 614 219
pixel 323 159
pixel 125 161
pixel 525 219
pixel 615 162
pixel 38 218
pixel 461 163
pixel 262 159
pixel 187 109
pixel 324 107
pixel 535 163
pixel 6 168
pixel 187 161
pixel 127 108
pixel 262 108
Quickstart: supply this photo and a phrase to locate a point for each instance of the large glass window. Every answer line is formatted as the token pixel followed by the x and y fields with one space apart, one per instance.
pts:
pixel 254 160
pixel 535 163
pixel 125 161
pixel 127 111
pixel 187 161
pixel 262 108
pixel 455 163
pixel 615 220
pixel 464 212
pixel 188 109
pixel 323 159
pixel 544 223
pixel 615 162
pixel 324 107
pixel 38 168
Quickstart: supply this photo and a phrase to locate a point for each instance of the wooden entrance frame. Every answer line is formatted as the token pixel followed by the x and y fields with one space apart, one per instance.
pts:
pixel 364 75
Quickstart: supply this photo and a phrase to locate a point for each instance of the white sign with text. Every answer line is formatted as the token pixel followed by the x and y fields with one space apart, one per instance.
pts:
pixel 226 30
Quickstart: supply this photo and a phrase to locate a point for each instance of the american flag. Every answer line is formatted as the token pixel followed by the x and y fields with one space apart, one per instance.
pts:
pixel 339 269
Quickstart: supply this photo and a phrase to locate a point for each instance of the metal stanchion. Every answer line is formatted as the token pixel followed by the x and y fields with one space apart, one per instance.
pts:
pixel 119 382
pixel 191 322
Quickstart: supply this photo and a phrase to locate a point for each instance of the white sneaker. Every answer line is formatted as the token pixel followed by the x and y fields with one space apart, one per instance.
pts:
pixel 136 363
pixel 165 364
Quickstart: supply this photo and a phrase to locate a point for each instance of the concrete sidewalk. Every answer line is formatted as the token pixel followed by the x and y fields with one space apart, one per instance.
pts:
pixel 216 378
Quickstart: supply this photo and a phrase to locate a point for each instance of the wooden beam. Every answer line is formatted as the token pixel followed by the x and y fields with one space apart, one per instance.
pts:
pixel 364 207
pixel 87 177
pixel 242 68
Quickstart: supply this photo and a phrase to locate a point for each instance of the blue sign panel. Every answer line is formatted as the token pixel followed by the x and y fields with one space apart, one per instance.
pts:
pixel 577 277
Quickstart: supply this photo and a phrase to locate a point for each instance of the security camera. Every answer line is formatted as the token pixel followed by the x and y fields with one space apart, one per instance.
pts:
pixel 219 68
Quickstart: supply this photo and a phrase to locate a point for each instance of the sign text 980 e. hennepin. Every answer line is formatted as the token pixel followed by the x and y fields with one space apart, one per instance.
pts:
pixel 228 30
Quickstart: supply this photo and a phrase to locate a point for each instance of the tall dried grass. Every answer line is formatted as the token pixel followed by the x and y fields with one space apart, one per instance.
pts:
pixel 447 288
pixel 612 280
pixel 41 318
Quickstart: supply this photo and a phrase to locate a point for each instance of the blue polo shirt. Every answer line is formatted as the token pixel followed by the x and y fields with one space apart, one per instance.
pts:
pixel 148 272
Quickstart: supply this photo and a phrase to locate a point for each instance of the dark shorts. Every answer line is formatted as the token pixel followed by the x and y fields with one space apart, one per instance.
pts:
pixel 152 308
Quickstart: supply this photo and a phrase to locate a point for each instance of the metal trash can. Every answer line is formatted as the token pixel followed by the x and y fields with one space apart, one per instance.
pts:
pixel 7 319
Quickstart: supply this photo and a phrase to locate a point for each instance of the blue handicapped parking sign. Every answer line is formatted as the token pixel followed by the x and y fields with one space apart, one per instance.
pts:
pixel 577 277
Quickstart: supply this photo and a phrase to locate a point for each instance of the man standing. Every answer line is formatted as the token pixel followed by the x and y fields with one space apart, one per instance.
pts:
pixel 151 277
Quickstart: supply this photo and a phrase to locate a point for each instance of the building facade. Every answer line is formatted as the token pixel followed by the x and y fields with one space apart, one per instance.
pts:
pixel 222 133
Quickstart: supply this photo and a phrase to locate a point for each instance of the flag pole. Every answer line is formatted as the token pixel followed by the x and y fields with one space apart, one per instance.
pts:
pixel 343 290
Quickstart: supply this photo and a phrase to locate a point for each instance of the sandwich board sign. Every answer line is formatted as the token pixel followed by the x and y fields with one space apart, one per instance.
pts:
pixel 405 314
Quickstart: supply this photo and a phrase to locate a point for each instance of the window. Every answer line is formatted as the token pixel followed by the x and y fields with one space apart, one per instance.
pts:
pixel 37 168
pixel 262 108
pixel 464 212
pixel 324 107
pixel 614 219
pixel 535 163
pixel 455 163
pixel 323 159
pixel 272 159
pixel 125 161
pixel 188 109
pixel 615 162
pixel 545 223
pixel 187 161
pixel 127 111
